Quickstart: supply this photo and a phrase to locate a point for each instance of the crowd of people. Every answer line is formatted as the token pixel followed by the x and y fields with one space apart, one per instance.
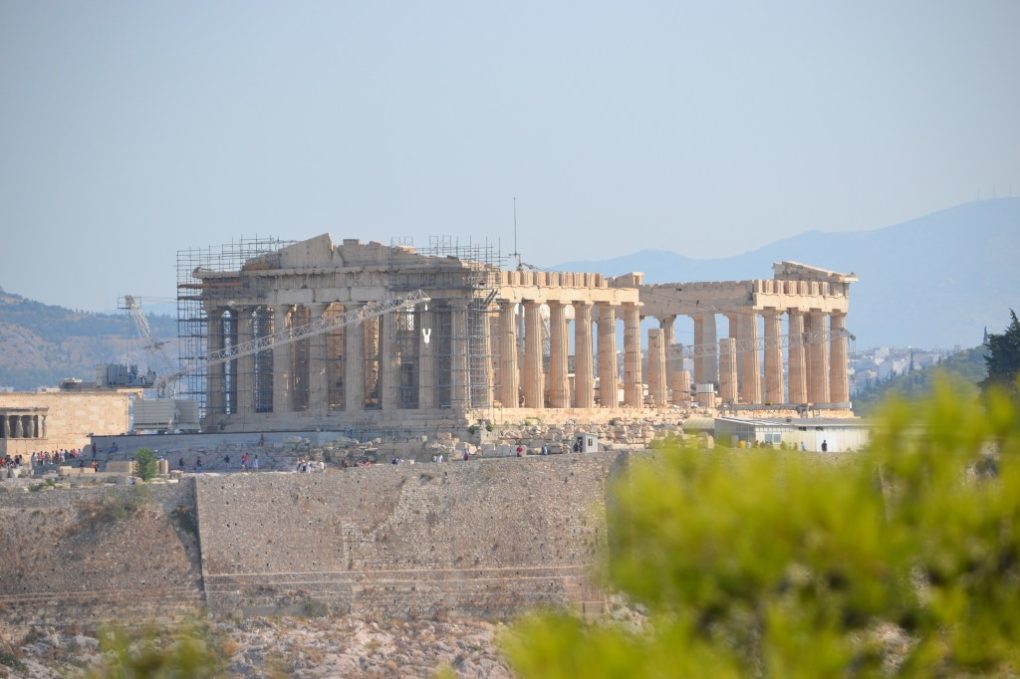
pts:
pixel 43 458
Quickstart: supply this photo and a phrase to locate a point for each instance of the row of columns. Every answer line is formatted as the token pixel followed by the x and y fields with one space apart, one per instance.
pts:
pixel 23 426
pixel 531 379
pixel 817 357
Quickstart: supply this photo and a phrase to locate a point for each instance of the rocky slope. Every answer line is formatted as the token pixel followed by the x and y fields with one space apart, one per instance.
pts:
pixel 305 648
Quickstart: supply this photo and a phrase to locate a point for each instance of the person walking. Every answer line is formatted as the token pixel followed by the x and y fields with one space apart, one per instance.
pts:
pixel 255 464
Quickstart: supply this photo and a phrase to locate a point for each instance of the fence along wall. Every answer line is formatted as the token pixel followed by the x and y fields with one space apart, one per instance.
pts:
pixel 485 539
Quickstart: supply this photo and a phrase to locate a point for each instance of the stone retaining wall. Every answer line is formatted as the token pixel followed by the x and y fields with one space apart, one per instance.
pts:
pixel 98 554
pixel 484 539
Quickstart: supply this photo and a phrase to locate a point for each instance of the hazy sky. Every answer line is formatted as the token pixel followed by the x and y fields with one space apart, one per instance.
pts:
pixel 129 130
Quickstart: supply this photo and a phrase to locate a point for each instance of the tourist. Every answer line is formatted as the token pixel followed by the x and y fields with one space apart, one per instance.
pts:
pixel 255 464
pixel 244 462
pixel 198 466
pixel 825 446
pixel 180 464
pixel 226 462
pixel 545 448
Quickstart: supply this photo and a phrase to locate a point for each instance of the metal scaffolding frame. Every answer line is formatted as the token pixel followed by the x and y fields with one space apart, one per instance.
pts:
pixel 192 319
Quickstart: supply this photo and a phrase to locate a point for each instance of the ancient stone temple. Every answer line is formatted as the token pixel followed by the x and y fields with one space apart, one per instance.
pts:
pixel 490 344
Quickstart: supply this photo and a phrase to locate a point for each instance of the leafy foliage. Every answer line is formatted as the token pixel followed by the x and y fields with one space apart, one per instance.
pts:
pixel 902 560
pixel 145 459
pixel 187 653
pixel 1003 359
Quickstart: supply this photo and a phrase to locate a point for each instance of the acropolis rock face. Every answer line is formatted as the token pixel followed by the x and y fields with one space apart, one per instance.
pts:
pixel 495 345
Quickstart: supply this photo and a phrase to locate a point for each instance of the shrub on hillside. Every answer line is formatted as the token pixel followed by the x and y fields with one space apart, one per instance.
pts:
pixel 145 462
pixel 904 560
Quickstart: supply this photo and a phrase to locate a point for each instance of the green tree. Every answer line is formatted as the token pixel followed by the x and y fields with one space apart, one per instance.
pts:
pixel 903 560
pixel 1003 359
pixel 145 459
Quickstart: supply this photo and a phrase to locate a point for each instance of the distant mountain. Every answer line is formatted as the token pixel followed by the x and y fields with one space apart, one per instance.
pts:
pixel 40 344
pixel 935 281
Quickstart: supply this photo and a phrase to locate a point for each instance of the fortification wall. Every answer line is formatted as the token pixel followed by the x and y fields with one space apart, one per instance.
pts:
pixel 96 554
pixel 486 538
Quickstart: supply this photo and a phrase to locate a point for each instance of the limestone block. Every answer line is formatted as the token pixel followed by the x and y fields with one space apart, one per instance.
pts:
pixel 120 467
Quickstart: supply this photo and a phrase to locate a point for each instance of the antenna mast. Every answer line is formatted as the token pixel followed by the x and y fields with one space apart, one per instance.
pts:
pixel 516 253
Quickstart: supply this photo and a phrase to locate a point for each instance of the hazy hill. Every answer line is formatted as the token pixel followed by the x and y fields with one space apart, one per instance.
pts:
pixel 965 369
pixel 935 281
pixel 41 344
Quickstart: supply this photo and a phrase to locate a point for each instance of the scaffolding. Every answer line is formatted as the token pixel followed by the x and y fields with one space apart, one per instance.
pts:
pixel 472 277
pixel 477 283
pixel 192 316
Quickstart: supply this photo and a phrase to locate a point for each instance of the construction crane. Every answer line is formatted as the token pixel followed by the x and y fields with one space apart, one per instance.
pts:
pixel 155 348
pixel 287 336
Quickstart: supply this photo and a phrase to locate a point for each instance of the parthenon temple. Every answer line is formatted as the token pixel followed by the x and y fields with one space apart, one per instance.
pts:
pixel 487 343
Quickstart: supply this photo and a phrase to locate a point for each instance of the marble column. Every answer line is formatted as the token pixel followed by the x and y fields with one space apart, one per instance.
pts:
pixel 773 357
pixel 797 358
pixel 509 374
pixel 818 358
pixel 584 383
pixel 318 365
pixel 390 359
pixel 281 362
pixel 657 386
pixel 371 350
pixel 534 387
pixel 7 426
pixel 681 388
pixel 750 384
pixel 460 377
pixel 354 364
pixel 839 368
pixel 706 360
pixel 216 378
pixel 426 360
pixel 728 370
pixel 42 422
pixel 484 396
pixel 245 376
pixel 668 326
pixel 608 372
pixel 633 387
pixel 559 381
pixel 19 432
pixel 681 391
